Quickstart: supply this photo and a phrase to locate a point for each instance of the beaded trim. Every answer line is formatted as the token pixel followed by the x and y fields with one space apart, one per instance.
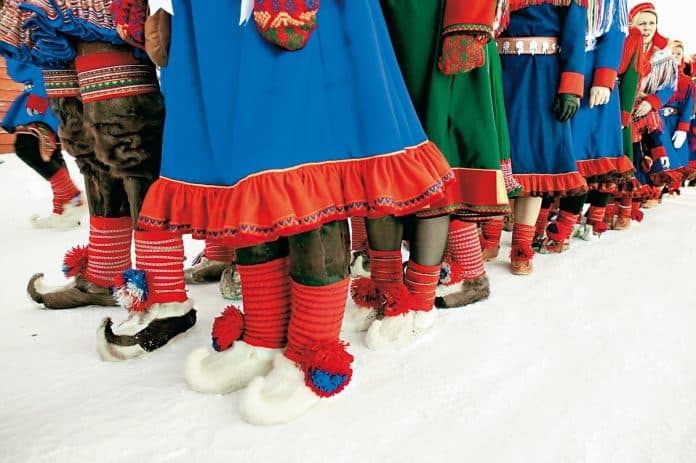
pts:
pixel 61 83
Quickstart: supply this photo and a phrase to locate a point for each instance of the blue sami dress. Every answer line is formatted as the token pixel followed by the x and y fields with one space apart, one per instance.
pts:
pixel 597 138
pixel 659 86
pixel 18 114
pixel 542 154
pixel 260 142
pixel 676 115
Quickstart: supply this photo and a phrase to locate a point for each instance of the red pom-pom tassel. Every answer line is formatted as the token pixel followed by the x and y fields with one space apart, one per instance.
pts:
pixel 364 293
pixel 227 328
pixel 75 261
pixel 396 300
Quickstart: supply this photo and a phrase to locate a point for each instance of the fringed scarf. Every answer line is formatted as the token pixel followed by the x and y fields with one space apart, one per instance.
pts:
pixel 505 7
pixel 600 18
pixel 664 72
pixel 502 17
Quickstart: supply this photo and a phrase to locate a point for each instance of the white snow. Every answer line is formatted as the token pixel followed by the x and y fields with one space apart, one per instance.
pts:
pixel 591 359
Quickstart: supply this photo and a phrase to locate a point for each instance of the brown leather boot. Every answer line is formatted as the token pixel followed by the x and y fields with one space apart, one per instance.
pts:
pixel 489 254
pixel 464 293
pixel 204 270
pixel 79 293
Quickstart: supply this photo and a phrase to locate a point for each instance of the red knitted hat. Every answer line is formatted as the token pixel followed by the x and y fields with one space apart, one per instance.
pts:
pixel 660 41
pixel 640 8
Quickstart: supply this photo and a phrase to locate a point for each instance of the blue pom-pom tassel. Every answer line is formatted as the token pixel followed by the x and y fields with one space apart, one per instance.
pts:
pixel 131 289
pixel 325 382
pixel 444 272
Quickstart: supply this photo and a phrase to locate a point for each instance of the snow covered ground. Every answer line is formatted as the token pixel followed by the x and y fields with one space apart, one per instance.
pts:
pixel 591 359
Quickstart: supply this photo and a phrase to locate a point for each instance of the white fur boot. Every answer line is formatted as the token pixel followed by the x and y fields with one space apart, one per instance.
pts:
pixel 357 319
pixel 207 370
pixel 69 218
pixel 399 331
pixel 278 397
pixel 583 230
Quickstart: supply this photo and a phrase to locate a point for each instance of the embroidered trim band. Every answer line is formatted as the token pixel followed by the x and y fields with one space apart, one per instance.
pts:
pixel 61 83
pixel 103 76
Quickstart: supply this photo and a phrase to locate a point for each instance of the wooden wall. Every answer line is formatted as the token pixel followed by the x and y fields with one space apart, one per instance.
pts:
pixel 8 92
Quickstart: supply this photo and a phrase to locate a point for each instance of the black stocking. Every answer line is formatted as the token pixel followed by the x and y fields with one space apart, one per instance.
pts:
pixel 597 199
pixel 429 240
pixel 573 204
pixel 385 233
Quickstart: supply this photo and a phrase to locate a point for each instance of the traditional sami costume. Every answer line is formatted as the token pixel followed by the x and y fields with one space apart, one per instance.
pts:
pixel 676 115
pixel 542 53
pixel 463 113
pixel 630 73
pixel 269 143
pixel 452 71
pixel 658 87
pixel 597 139
pixel 36 144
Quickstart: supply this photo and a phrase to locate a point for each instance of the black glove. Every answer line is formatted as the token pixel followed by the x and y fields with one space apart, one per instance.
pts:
pixel 565 106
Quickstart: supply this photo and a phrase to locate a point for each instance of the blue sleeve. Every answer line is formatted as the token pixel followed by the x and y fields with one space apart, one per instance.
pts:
pixel 572 54
pixel 686 108
pixel 18 71
pixel 665 95
pixel 27 74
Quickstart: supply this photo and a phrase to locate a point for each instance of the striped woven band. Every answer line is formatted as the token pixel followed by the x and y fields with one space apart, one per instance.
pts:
pixel 61 83
pixel 107 75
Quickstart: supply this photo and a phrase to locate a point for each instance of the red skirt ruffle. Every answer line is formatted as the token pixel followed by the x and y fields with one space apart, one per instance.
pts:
pixel 604 174
pixel 273 204
pixel 568 184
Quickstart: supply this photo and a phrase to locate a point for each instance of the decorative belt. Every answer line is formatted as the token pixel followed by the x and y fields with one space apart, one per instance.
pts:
pixel 668 111
pixel 107 75
pixel 527 45
pixel 61 83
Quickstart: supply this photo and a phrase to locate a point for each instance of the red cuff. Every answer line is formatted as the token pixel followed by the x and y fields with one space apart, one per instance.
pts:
pixel 467 16
pixel 654 101
pixel 658 152
pixel 625 118
pixel 684 126
pixel 604 77
pixel 572 82
pixel 37 103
